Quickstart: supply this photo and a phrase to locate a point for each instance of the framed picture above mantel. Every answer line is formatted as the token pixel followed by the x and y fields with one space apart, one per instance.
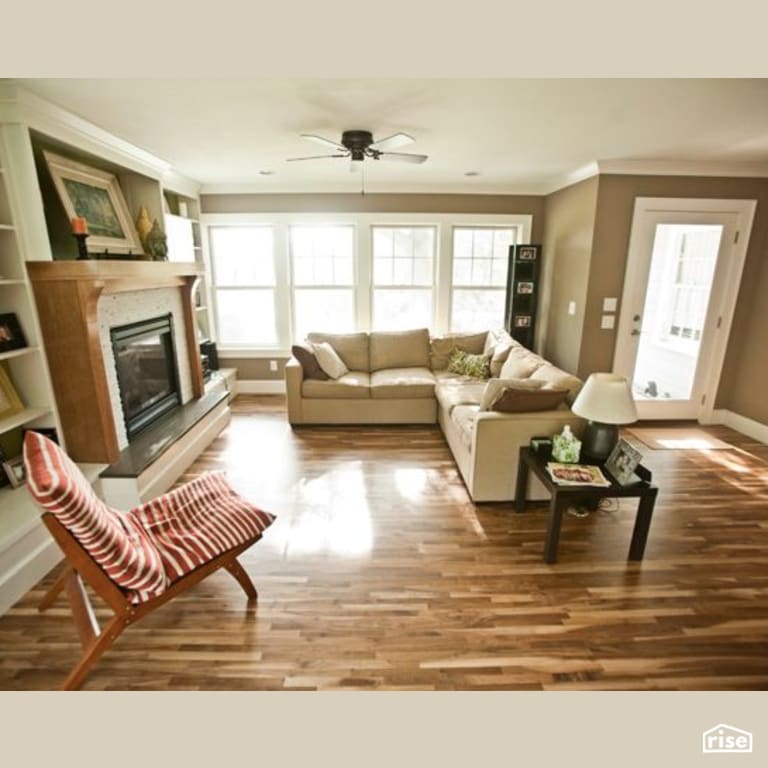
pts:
pixel 94 195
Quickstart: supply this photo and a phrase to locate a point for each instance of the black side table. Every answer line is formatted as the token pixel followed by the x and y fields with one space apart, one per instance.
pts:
pixel 564 496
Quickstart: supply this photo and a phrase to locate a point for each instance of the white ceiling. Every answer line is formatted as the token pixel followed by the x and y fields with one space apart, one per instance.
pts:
pixel 521 136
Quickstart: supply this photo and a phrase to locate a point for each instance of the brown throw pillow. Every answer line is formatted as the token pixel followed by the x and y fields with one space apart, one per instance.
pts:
pixel 312 370
pixel 520 401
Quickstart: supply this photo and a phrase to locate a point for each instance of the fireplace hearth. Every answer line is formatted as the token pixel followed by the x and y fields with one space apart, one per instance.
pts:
pixel 147 371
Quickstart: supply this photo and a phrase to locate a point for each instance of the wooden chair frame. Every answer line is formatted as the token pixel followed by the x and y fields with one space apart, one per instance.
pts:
pixel 80 565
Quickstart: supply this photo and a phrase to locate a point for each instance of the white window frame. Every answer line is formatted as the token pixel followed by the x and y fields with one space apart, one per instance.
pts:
pixel 363 289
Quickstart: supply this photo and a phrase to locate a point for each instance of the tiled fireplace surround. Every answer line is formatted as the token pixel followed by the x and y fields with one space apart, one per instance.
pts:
pixel 123 308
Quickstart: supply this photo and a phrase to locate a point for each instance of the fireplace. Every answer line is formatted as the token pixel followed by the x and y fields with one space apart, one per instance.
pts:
pixel 147 374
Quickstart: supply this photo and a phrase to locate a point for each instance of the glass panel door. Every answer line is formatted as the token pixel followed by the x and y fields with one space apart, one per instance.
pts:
pixel 671 325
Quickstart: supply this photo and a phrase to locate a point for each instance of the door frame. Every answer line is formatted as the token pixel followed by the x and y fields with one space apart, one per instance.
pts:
pixel 744 211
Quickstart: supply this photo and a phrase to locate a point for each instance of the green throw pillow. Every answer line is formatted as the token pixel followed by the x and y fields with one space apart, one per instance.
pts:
pixel 477 366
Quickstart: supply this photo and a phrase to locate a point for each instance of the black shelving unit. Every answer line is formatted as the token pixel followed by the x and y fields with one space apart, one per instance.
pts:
pixel 523 292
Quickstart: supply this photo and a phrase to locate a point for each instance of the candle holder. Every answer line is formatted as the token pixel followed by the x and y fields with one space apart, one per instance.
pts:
pixel 82 249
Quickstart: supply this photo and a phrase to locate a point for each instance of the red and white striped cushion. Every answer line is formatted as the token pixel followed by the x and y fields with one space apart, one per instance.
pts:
pixel 198 521
pixel 115 540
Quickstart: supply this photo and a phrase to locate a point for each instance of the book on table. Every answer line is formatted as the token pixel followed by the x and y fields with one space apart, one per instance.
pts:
pixel 577 474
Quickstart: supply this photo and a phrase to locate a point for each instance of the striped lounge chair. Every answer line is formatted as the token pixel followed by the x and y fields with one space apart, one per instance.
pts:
pixel 136 560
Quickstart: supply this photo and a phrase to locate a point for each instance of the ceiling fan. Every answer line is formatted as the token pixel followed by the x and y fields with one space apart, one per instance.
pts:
pixel 357 145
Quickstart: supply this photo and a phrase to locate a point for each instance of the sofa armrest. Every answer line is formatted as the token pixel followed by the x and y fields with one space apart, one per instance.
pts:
pixel 496 443
pixel 294 376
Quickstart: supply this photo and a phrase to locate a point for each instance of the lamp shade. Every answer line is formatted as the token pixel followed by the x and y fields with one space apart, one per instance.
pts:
pixel 606 398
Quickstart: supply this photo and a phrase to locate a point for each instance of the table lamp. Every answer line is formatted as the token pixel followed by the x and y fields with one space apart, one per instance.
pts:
pixel 606 400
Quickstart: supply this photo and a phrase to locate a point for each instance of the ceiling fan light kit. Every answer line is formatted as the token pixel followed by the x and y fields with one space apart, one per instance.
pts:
pixel 359 144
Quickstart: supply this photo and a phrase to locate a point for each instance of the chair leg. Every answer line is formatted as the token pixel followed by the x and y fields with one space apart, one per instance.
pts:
pixel 82 612
pixel 55 590
pixel 243 579
pixel 102 643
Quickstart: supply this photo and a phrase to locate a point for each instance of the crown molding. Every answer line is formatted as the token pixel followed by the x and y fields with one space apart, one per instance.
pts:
pixel 683 168
pixel 22 106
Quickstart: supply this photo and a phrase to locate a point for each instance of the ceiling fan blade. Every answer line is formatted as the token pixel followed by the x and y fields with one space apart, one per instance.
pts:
pixel 403 157
pixel 393 142
pixel 321 140
pixel 312 157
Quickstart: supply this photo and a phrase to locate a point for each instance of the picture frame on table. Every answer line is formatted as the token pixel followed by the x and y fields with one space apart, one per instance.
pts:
pixel 95 195
pixel 10 402
pixel 15 471
pixel 622 462
pixel 11 335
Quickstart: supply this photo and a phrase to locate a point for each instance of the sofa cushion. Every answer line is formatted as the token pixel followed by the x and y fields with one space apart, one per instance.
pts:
pixel 355 384
pixel 559 379
pixel 512 400
pixel 402 383
pixel 352 348
pixel 476 366
pixel 520 364
pixel 494 387
pixel 464 417
pixel 399 349
pixel 329 360
pixel 452 393
pixel 440 347
pixel 311 369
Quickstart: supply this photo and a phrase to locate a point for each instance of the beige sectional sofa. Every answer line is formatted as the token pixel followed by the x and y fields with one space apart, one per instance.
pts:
pixel 402 378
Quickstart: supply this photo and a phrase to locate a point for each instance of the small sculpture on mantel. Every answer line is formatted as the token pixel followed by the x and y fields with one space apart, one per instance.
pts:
pixel 157 243
pixel 143 227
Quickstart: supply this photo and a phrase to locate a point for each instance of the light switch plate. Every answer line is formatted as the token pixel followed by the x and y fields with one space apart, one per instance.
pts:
pixel 571 307
pixel 607 322
pixel 609 305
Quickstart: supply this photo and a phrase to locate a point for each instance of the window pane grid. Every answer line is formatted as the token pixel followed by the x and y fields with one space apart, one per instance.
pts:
pixel 403 256
pixel 322 255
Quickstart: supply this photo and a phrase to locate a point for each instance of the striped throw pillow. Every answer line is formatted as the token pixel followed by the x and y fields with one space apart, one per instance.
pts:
pixel 198 521
pixel 115 540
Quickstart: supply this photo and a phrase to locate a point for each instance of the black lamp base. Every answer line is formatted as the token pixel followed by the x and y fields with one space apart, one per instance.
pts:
pixel 598 441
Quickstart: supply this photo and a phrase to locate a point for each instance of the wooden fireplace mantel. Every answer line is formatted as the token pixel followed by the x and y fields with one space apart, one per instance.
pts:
pixel 67 295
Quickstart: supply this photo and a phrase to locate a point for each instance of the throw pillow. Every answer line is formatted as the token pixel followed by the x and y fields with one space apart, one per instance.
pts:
pixel 328 360
pixel 500 354
pixel 309 365
pixel 495 387
pixel 476 366
pixel 520 364
pixel 521 401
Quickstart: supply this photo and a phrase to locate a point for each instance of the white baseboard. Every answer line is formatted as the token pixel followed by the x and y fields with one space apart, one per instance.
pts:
pixel 260 387
pixel 749 427
pixel 32 557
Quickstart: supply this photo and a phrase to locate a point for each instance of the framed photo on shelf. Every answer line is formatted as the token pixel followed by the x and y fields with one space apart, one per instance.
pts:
pixel 16 471
pixel 10 402
pixel 526 253
pixel 522 321
pixel 622 462
pixel 96 196
pixel 11 335
pixel 525 288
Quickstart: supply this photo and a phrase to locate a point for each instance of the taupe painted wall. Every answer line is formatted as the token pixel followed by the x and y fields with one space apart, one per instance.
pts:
pixel 568 228
pixel 258 368
pixel 295 203
pixel 742 387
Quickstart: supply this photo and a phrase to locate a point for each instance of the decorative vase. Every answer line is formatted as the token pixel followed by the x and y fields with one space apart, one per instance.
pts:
pixel 143 225
pixel 566 447
pixel 157 243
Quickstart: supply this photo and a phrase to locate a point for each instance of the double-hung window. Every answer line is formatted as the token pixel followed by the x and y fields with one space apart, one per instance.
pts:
pixel 323 279
pixel 243 265
pixel 480 263
pixel 403 277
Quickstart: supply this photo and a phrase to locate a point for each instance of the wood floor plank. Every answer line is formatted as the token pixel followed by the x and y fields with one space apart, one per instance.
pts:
pixel 381 574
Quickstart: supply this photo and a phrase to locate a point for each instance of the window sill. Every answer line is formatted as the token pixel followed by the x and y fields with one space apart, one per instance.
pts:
pixel 253 352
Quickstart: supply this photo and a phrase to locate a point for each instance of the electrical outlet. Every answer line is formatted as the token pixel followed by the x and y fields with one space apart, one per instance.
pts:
pixel 571 307
pixel 607 322
pixel 273 365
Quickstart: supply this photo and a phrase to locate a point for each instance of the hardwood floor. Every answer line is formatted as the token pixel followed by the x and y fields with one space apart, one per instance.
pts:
pixel 381 574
